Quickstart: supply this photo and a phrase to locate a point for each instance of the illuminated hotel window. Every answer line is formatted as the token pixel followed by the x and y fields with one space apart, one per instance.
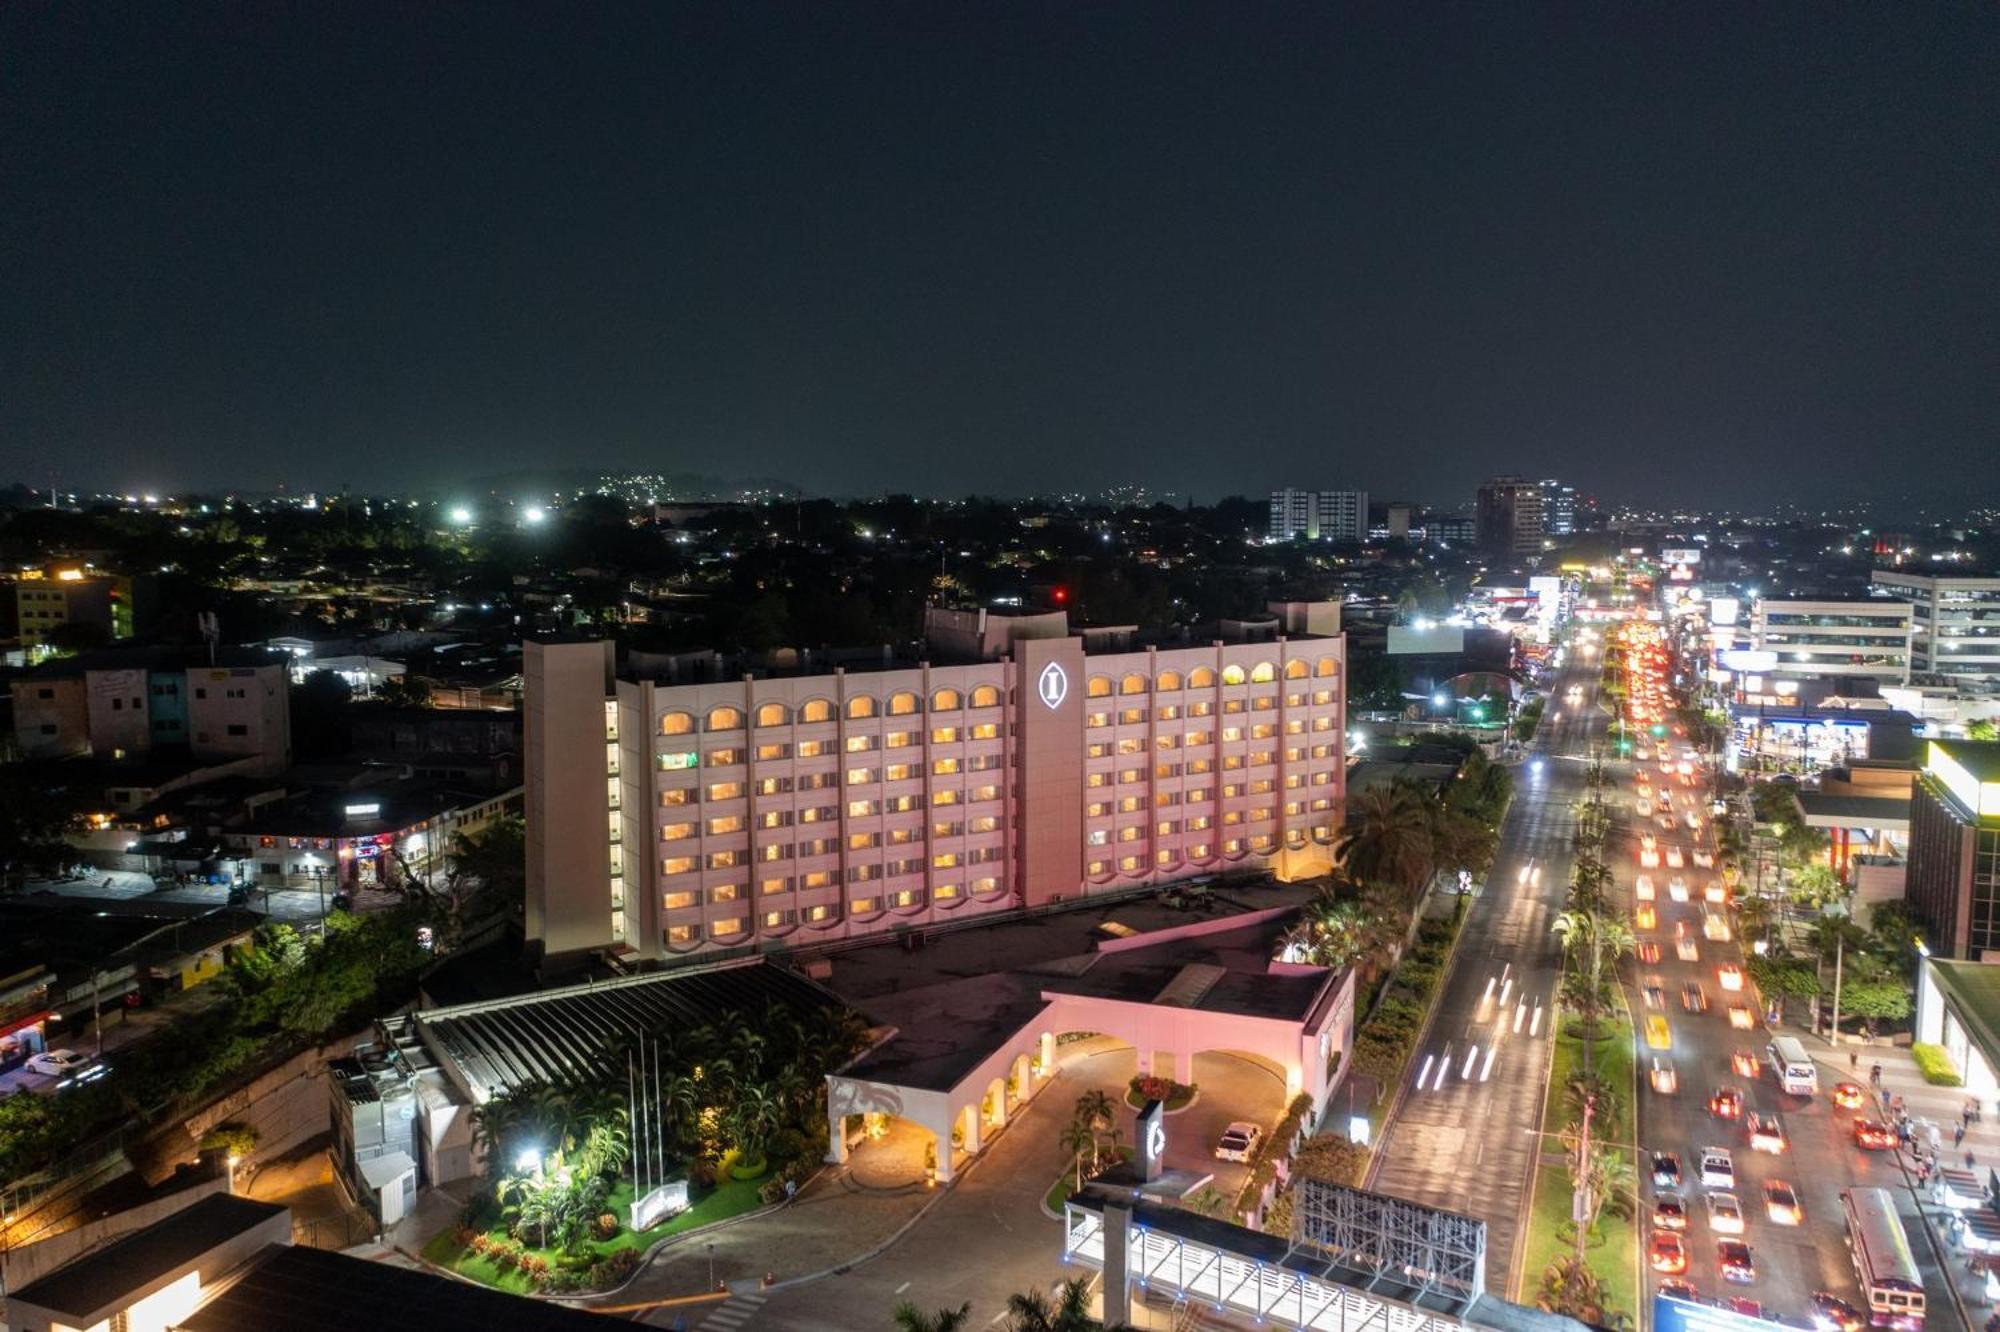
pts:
pixel 1232 733
pixel 863 841
pixel 1232 675
pixel 1170 712
pixel 1322 723
pixel 1132 717
pixel 723 892
pixel 1295 700
pixel 944 767
pixel 908 897
pixel 725 790
pixel 777 919
pixel 861 706
pixel 773 714
pixel 944 700
pixel 1098 687
pixel 678 796
pixel 1129 775
pixel 818 846
pixel 985 793
pixel 1295 727
pixel 985 885
pixel 1232 846
pixel 728 823
pixel 905 836
pixel 985 823
pixel 724 859
pixel 1165 858
pixel 860 744
pixel 818 913
pixel 1097 779
pixel 724 929
pixel 985 731
pixel 953 829
pixel 986 696
pixel 1163 799
pixel 1231 762
pixel 1263 731
pixel 1131 864
pixel 1131 834
pixel 1099 750
pixel 943 735
pixel 775 851
pixel 1232 705
pixel 724 719
pixel 676 901
pixel 862 906
pixel 1200 709
pixel 817 710
pixel 944 892
pixel 1166 742
pixel 1321 804
pixel 818 814
pixel 1322 697
pixel 1293 781
pixel 1131 744
pixel 860 776
pixel 680 934
pixel 1264 703
pixel 1261 842
pixel 901 739
pixel 861 809
pixel 817 879
pixel 1096 809
pixel 1263 673
pixel 678 761
pixel 1200 851
pixel 1292 807
pixel 724 758
pixel 771 887
pixel 903 804
pixel 676 723
pixel 1098 837
pixel 677 865
pixel 1168 680
pixel 774 785
pixel 772 753
pixel 814 748
pixel 1097 867
pixel 863 873
pixel 1165 770
pixel 940 799
pixel 1093 720
pixel 1326 666
pixel 673 832
pixel 903 704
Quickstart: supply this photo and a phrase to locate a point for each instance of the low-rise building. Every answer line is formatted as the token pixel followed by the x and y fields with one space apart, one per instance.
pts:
pixel 130 703
pixel 1955 623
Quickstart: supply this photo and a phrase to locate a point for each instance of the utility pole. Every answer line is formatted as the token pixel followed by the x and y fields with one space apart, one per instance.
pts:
pixel 1839 954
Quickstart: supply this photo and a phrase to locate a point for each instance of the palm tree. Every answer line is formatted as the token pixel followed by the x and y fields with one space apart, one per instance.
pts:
pixel 1075 1140
pixel 909 1318
pixel 755 1114
pixel 1032 1311
pixel 1094 1108
pixel 1385 838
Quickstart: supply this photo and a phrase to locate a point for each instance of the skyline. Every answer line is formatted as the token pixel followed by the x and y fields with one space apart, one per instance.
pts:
pixel 1028 251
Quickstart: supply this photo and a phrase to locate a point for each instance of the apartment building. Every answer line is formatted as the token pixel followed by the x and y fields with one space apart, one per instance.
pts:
pixel 127 704
pixel 1955 623
pixel 1509 515
pixel 782 811
pixel 1953 879
pixel 1319 515
pixel 1818 639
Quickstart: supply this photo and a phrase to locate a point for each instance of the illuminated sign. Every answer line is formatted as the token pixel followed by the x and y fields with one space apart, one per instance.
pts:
pixel 363 811
pixel 676 762
pixel 1749 660
pixel 1053 685
pixel 1680 555
pixel 1672 1315
pixel 1152 1137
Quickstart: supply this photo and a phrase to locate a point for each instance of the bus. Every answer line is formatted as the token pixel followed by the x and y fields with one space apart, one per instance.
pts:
pixel 1793 1067
pixel 1891 1286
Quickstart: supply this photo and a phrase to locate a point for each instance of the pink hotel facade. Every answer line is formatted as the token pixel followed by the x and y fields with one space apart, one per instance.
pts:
pixel 784 811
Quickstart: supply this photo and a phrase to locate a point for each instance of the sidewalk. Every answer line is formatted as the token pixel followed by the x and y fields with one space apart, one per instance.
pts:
pixel 1927 1106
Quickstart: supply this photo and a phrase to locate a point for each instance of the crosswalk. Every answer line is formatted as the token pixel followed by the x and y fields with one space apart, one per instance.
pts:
pixel 736 1312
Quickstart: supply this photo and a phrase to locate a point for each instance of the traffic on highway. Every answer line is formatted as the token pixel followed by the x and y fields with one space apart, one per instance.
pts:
pixel 1768 1183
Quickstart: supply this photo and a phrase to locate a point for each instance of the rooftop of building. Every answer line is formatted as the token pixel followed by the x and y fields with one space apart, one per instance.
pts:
pixel 112 1275
pixel 1821 808
pixel 949 1018
pixel 1974 988
pixel 1980 758
pixel 317 1290
pixel 151 658
pixel 1815 712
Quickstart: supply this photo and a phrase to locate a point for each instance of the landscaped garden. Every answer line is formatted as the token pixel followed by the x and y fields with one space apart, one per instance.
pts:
pixel 1144 1088
pixel 738 1110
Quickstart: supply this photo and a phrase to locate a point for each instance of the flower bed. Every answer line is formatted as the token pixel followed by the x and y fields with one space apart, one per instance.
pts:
pixel 1144 1088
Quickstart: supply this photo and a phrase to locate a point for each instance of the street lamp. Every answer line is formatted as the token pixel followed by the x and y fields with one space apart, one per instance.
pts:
pixel 529 1161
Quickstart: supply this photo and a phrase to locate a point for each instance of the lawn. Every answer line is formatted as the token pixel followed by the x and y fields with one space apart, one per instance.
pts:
pixel 730 1198
pixel 1614 1256
pixel 1065 1183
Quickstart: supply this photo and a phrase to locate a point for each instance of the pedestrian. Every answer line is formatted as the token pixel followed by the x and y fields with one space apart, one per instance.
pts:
pixel 1937 1138
pixel 1968 1158
pixel 1875 1075
pixel 1958 1136
pixel 1853 1060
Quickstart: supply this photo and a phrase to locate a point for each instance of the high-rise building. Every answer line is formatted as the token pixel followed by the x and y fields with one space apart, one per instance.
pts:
pixel 1319 515
pixel 1558 508
pixel 1509 515
pixel 1953 880
pixel 785 811
pixel 1955 626
pixel 1853 636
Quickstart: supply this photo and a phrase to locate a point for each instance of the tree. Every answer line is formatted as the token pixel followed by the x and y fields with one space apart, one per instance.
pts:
pixel 1094 1109
pixel 1569 1286
pixel 909 1318
pixel 1386 838
pixel 1876 1001
pixel 1032 1311
pixel 1816 886
pixel 1982 728
pixel 1076 1139
pixel 489 871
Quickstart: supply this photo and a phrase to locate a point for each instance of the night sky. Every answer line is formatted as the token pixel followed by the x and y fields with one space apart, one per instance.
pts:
pixel 1674 252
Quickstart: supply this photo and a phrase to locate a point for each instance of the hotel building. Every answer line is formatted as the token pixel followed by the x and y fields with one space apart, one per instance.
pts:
pixel 1955 633
pixel 1021 768
pixel 1953 880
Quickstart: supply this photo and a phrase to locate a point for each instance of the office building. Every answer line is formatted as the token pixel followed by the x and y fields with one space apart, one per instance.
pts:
pixel 1509 515
pixel 1955 624
pixel 1953 880
pixel 47 601
pixel 783 811
pixel 1853 636
pixel 1558 508
pixel 1319 515
pixel 124 704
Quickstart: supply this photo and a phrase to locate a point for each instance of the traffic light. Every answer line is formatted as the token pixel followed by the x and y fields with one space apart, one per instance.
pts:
pixel 1659 728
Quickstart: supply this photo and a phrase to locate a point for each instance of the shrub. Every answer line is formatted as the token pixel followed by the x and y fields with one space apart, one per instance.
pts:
pixel 236 1139
pixel 701 1172
pixel 1935 1065
pixel 606 1227
pixel 771 1191
pixel 613 1268
pixel 535 1268
pixel 1149 1088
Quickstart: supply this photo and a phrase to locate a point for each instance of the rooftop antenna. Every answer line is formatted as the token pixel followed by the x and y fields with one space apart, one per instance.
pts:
pixel 211 632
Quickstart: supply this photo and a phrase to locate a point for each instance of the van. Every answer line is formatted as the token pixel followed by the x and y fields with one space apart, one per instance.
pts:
pixel 1794 1070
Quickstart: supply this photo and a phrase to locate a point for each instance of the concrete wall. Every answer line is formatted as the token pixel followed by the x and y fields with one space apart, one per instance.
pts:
pixel 120 719
pixel 241 712
pixel 287 1106
pixel 31 1262
pixel 569 889
pixel 51 719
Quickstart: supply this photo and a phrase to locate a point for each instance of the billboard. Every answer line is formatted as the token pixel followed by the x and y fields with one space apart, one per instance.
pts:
pixel 1680 555
pixel 1723 610
pixel 1751 660
pixel 1441 638
pixel 1672 1315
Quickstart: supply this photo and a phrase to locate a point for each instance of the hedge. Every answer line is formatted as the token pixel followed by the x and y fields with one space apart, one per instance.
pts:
pixel 1264 1164
pixel 1935 1065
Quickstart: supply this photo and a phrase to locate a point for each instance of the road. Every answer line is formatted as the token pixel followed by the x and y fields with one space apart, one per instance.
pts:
pixel 1465 1142
pixel 1821 1158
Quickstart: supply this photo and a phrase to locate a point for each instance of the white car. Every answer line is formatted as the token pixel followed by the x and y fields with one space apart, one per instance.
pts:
pixel 1725 1215
pixel 1674 860
pixel 1643 888
pixel 1717 1170
pixel 1677 888
pixel 1704 859
pixel 1239 1142
pixel 57 1062
pixel 1665 1081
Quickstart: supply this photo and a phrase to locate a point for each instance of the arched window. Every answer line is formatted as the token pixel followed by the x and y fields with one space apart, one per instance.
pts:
pixel 903 704
pixel 1232 675
pixel 723 719
pixel 1132 684
pixel 1296 669
pixel 773 714
pixel 1201 678
pixel 676 723
pixel 1327 666
pixel 1168 680
pixel 944 700
pixel 1263 673
pixel 1099 687
pixel 861 706
pixel 816 710
pixel 986 696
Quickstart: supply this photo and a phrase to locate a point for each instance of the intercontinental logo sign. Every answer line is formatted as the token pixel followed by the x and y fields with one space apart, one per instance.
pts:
pixel 1052 686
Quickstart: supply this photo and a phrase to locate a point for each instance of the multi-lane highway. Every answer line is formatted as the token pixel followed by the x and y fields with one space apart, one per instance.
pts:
pixel 1461 1137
